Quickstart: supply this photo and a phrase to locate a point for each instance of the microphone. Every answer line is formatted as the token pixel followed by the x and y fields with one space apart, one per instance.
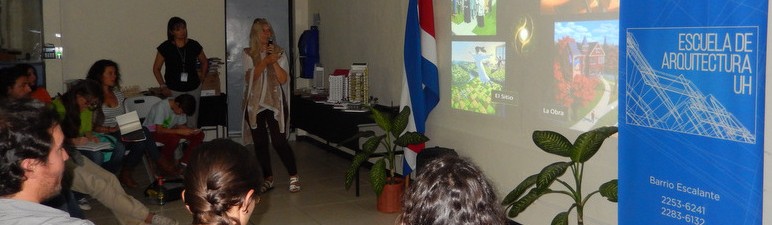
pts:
pixel 270 43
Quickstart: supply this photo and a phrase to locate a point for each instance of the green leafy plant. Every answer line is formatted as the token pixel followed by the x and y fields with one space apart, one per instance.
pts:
pixel 393 138
pixel 584 147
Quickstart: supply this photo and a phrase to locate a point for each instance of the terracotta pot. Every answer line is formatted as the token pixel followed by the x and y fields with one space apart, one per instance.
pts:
pixel 390 200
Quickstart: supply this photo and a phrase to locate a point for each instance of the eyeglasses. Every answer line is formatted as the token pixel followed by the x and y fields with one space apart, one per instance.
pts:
pixel 93 103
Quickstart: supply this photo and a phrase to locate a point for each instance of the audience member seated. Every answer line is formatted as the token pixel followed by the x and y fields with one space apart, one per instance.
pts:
pixel 87 177
pixel 167 121
pixel 13 87
pixel 14 83
pixel 220 183
pixel 451 190
pixel 32 164
pixel 107 74
pixel 76 109
pixel 38 92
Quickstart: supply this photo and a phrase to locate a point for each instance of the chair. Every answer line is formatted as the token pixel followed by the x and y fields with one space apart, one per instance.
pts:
pixel 142 104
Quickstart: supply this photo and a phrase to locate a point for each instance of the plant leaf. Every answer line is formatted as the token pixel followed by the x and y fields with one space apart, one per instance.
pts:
pixel 520 205
pixel 519 190
pixel 560 219
pixel 551 173
pixel 378 176
pixel 410 138
pixel 552 142
pixel 609 190
pixel 356 162
pixel 372 143
pixel 383 120
pixel 588 143
pixel 400 122
pixel 360 134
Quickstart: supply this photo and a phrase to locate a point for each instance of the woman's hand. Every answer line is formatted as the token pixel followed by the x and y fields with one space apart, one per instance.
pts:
pixel 271 59
pixel 107 130
pixel 166 91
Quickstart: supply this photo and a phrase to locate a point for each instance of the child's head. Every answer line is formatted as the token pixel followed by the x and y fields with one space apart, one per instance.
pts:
pixel 187 104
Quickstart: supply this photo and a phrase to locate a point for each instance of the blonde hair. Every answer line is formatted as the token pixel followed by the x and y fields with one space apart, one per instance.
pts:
pixel 254 38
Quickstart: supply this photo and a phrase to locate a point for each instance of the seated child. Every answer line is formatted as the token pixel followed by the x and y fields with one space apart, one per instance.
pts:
pixel 167 121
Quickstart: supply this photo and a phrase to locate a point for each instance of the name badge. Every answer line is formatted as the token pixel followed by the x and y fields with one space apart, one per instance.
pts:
pixel 184 76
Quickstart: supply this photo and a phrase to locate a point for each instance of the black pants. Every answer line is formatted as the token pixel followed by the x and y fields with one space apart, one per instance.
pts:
pixel 266 124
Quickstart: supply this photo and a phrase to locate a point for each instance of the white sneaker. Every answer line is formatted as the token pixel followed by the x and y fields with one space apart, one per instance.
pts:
pixel 83 204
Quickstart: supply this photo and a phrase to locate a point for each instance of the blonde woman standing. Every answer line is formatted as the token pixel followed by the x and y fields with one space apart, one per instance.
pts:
pixel 266 103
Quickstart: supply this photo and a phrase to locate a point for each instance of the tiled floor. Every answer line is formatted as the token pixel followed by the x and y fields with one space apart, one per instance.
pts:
pixel 323 200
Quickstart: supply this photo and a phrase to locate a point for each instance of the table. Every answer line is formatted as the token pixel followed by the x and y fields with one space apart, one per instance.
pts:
pixel 213 113
pixel 325 122
pixel 332 125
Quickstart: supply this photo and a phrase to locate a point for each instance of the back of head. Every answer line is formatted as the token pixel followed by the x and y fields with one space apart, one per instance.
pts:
pixel 8 77
pixel 219 176
pixel 451 190
pixel 25 133
pixel 187 103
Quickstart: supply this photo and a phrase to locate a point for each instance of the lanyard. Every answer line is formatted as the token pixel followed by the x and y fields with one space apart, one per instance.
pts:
pixel 182 56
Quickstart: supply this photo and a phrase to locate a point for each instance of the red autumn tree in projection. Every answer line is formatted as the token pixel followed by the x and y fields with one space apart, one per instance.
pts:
pixel 572 84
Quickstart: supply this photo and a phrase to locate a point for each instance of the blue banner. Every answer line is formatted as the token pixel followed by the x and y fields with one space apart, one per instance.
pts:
pixel 692 112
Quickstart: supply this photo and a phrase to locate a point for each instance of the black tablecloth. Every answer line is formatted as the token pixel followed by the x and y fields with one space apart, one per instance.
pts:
pixel 330 124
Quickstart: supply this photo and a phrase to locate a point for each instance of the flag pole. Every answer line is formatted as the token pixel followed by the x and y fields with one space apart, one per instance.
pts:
pixel 407 181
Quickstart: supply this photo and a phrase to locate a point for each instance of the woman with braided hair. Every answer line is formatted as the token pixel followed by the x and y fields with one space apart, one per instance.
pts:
pixel 220 185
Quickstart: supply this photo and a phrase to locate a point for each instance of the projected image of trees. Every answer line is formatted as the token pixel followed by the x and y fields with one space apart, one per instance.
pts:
pixel 477 69
pixel 585 73
pixel 473 17
pixel 578 6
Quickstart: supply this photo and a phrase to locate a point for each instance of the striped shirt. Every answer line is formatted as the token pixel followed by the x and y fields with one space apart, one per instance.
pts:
pixel 111 113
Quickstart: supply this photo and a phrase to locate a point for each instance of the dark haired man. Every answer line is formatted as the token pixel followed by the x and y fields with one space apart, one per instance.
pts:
pixel 14 83
pixel 167 121
pixel 32 164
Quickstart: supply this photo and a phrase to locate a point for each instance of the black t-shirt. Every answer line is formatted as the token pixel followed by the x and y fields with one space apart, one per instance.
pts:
pixel 174 64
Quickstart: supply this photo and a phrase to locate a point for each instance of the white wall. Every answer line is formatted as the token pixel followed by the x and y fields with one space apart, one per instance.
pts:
pixel 364 31
pixel 372 32
pixel 350 31
pixel 126 32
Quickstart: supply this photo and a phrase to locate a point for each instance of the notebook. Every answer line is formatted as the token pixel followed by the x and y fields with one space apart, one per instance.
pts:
pixel 130 127
pixel 94 146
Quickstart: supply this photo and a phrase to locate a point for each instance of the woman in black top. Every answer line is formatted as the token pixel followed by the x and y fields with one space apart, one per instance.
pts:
pixel 181 56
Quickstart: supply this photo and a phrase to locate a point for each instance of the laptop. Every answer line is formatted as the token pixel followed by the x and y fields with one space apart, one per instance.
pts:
pixel 130 127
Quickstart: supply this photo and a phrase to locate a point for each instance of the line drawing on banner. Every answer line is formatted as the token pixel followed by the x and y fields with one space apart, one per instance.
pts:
pixel 668 102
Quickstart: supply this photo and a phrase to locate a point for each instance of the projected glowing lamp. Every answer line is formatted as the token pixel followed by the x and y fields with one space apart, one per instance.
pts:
pixel 523 33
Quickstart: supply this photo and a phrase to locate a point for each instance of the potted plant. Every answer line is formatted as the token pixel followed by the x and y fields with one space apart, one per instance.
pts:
pixel 382 174
pixel 584 147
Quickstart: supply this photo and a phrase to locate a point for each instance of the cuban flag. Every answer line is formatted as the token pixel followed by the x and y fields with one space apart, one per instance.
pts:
pixel 420 89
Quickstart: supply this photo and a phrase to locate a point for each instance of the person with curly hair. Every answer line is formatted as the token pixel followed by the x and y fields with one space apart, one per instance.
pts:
pixel 451 190
pixel 14 83
pixel 32 164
